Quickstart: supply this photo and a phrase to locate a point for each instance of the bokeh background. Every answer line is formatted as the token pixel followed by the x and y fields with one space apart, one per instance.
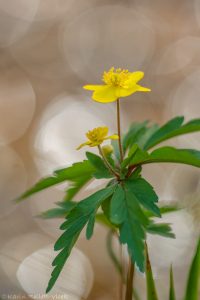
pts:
pixel 48 50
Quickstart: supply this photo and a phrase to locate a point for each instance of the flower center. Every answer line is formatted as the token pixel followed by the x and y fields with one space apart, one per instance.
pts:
pixel 117 78
pixel 94 135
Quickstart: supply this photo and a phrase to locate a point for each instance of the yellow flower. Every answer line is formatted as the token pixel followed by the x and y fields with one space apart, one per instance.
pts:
pixel 96 137
pixel 118 83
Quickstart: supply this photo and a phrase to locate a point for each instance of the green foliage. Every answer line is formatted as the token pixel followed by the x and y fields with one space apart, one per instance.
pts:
pixel 193 282
pixel 145 195
pixel 140 156
pixel 131 154
pixel 167 155
pixel 164 210
pixel 58 212
pixel 129 203
pixel 76 221
pixel 151 288
pixel 118 207
pixel 138 134
pixel 172 295
pixel 171 129
pixel 78 173
pixel 101 170
pixel 162 229
pixel 132 230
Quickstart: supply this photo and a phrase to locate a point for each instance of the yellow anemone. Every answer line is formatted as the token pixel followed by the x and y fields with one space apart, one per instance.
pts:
pixel 96 137
pixel 118 83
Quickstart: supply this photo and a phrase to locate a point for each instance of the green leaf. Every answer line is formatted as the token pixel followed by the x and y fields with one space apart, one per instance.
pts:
pixel 76 220
pixel 101 170
pixel 58 212
pixel 117 206
pixel 132 230
pixel 90 226
pixel 53 213
pixel 145 194
pixel 138 134
pixel 162 229
pixel 115 145
pixel 139 157
pixel 75 186
pixel 147 134
pixel 131 154
pixel 136 173
pixel 168 155
pixel 151 288
pixel 135 131
pixel 193 282
pixel 164 210
pixel 76 171
pixel 171 129
pixel 172 295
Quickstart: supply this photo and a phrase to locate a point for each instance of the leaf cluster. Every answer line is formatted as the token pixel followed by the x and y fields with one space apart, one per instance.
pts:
pixel 128 204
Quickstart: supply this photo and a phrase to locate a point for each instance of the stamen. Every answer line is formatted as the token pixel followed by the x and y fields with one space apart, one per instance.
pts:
pixel 119 77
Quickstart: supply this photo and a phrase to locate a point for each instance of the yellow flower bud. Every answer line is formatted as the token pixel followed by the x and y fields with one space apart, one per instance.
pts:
pixel 107 150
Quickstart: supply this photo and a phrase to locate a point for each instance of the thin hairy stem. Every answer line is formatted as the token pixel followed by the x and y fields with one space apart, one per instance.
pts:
pixel 110 168
pixel 119 131
pixel 129 281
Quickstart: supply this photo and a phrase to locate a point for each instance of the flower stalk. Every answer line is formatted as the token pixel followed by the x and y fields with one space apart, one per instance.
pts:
pixel 110 168
pixel 119 131
pixel 129 281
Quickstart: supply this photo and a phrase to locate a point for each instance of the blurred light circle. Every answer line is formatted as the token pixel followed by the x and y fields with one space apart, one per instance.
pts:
pixel 17 104
pixel 182 182
pixel 16 18
pixel 47 200
pixel 62 128
pixel 10 260
pixel 178 251
pixel 13 179
pixel 184 101
pixel 107 36
pixel 137 108
pixel 157 176
pixel 52 9
pixel 21 9
pixel 38 53
pixel 197 10
pixel 178 55
pixel 42 202
pixel 74 282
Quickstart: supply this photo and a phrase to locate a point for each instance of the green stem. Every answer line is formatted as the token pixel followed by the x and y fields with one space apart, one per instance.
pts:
pixel 129 282
pixel 111 253
pixel 119 130
pixel 108 164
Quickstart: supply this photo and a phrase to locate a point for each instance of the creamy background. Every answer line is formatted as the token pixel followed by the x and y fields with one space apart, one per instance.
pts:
pixel 48 50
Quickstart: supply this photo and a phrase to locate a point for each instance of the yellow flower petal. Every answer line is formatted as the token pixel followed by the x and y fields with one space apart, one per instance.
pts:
pixel 142 88
pixel 105 94
pixel 136 76
pixel 97 143
pixel 93 87
pixel 118 83
pixel 121 92
pixel 83 144
pixel 112 137
pixel 103 133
